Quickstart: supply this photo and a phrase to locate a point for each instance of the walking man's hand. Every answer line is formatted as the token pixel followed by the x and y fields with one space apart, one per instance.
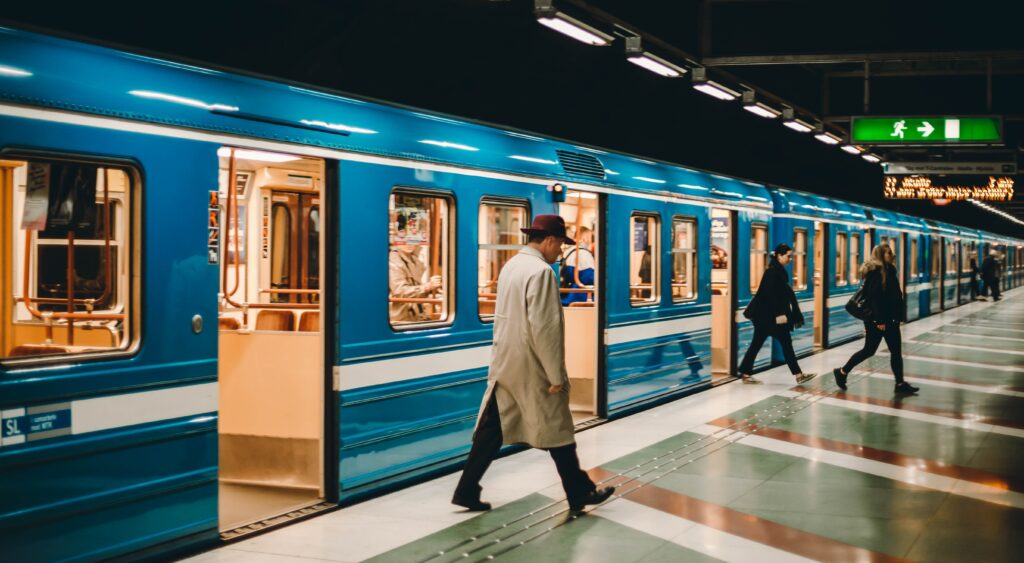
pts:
pixel 554 389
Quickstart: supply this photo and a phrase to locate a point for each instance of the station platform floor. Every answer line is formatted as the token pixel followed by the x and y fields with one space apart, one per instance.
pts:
pixel 773 472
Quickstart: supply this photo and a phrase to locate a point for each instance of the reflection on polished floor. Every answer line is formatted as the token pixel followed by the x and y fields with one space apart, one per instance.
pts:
pixel 775 472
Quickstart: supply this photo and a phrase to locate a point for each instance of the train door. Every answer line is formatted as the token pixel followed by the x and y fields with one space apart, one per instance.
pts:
pixel 580 291
pixel 820 283
pixel 266 234
pixel 723 228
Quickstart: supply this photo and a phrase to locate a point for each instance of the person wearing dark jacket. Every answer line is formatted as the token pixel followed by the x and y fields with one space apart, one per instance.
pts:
pixel 990 275
pixel 884 300
pixel 974 278
pixel 775 312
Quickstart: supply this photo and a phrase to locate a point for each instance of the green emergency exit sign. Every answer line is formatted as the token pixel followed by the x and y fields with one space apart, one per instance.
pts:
pixel 925 130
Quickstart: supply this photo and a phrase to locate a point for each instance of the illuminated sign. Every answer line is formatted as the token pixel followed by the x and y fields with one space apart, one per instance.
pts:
pixel 923 187
pixel 925 130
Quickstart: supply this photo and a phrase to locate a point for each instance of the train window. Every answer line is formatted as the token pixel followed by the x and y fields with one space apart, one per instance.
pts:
pixel 419 259
pixel 280 249
pixel 913 258
pixel 965 256
pixel 643 260
pixel 855 250
pixel 500 240
pixel 684 259
pixel 936 258
pixel 68 258
pixel 799 259
pixel 950 257
pixel 842 258
pixel 758 254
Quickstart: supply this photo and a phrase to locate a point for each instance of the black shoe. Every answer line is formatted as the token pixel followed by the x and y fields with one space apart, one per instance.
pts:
pixel 904 388
pixel 596 496
pixel 840 378
pixel 472 505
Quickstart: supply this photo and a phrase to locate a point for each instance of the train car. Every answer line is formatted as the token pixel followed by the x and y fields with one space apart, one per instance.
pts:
pixel 240 302
pixel 913 266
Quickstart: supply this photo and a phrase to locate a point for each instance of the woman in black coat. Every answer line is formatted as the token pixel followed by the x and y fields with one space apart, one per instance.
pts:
pixel 775 312
pixel 884 303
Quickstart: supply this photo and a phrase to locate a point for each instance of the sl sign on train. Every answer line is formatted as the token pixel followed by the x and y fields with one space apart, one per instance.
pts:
pixel 926 130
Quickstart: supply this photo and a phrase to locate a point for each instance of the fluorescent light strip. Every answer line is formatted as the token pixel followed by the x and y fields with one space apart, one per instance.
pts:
pixel 651 180
pixel 576 29
pixel 827 138
pixel 447 145
pixel 265 156
pixel 870 157
pixel 656 65
pixel 799 126
pixel 852 149
pixel 181 100
pixel 532 159
pixel 337 126
pixel 12 71
pixel 762 110
pixel 716 90
pixel 991 209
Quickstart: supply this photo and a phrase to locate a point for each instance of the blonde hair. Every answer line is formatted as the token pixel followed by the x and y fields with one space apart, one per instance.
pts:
pixel 877 261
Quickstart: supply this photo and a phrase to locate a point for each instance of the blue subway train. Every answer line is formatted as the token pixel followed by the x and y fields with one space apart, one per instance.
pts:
pixel 329 337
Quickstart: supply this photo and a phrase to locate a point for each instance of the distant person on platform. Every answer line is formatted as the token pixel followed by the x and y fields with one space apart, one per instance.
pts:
pixel 974 271
pixel 581 260
pixel 527 396
pixel 990 275
pixel 775 312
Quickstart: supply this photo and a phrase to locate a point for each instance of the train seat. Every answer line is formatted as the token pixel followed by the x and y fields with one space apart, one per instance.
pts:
pixel 275 320
pixel 309 321
pixel 229 323
pixel 24 350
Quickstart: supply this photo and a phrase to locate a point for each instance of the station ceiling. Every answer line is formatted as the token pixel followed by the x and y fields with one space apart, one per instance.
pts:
pixel 490 60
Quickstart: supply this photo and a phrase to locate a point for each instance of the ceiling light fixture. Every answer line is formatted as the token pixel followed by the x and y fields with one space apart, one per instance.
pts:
pixel 789 120
pixel 870 158
pixel 824 136
pixel 549 16
pixel 710 87
pixel 757 108
pixel 635 54
pixel 852 149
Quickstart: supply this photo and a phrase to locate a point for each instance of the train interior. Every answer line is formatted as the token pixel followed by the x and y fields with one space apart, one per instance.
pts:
pixel 722 298
pixel 580 294
pixel 265 232
pixel 66 213
pixel 820 307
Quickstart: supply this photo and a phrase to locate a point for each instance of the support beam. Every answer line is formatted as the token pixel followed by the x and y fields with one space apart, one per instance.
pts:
pixel 829 59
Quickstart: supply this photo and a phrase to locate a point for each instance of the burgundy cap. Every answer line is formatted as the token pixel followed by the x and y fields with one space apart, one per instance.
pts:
pixel 548 225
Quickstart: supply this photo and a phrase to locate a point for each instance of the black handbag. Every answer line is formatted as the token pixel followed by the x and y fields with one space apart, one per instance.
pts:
pixel 857 306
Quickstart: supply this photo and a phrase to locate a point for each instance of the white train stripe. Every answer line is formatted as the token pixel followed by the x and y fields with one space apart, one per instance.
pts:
pixel 129 409
pixel 392 370
pixel 647 331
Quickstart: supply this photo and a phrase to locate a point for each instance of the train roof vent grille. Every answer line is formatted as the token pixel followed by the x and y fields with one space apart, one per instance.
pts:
pixel 579 164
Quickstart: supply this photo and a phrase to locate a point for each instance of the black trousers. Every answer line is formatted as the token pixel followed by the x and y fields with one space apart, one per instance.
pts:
pixel 993 284
pixel 974 289
pixel 486 443
pixel 781 335
pixel 872 339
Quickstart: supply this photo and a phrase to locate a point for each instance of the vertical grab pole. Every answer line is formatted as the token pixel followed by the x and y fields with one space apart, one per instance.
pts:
pixel 71 285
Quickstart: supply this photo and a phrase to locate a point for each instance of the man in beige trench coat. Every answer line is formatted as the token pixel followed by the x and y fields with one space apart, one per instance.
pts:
pixel 527 397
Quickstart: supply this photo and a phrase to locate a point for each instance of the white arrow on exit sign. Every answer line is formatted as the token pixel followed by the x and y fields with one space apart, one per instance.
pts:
pixel 926 129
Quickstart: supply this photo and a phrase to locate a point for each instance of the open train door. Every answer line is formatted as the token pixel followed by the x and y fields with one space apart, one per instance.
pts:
pixel 723 295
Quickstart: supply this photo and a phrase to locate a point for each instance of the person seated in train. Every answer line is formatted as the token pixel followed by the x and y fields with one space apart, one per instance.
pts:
pixel 645 272
pixel 775 312
pixel 406 274
pixel 578 258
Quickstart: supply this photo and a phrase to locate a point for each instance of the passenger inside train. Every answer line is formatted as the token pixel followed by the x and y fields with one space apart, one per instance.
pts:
pixel 417 260
pixel 578 286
